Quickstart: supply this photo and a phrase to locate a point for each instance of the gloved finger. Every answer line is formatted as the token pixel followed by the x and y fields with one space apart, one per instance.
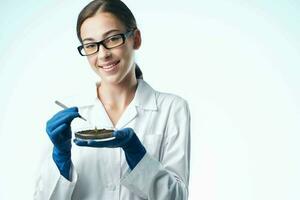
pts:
pixel 63 112
pixel 98 144
pixel 109 143
pixel 123 133
pixel 58 133
pixel 66 118
pixel 80 142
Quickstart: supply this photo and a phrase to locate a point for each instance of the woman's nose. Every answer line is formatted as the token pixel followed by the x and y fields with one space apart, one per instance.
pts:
pixel 103 53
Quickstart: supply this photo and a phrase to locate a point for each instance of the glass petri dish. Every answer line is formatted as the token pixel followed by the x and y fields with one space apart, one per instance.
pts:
pixel 95 134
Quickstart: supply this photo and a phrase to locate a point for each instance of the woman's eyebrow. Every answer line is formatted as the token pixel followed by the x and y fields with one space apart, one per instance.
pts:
pixel 104 35
pixel 88 39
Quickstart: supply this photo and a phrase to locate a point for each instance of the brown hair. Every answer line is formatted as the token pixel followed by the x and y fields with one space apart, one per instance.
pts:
pixel 115 7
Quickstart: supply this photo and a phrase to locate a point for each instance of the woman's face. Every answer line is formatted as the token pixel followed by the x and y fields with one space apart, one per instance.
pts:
pixel 112 65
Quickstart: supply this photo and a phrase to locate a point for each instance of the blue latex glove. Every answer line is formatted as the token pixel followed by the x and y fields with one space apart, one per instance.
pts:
pixel 59 130
pixel 126 139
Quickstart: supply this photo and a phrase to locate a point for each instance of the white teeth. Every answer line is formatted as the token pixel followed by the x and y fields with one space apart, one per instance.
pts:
pixel 109 66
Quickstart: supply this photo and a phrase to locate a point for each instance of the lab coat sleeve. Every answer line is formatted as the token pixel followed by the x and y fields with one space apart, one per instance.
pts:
pixel 50 184
pixel 168 179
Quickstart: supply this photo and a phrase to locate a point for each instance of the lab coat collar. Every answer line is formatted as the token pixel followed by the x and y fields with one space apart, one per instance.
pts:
pixel 145 97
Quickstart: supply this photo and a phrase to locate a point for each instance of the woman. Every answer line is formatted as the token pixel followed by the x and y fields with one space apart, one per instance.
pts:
pixel 149 157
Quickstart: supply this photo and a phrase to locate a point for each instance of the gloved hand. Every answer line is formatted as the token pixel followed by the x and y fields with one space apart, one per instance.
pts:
pixel 59 130
pixel 124 138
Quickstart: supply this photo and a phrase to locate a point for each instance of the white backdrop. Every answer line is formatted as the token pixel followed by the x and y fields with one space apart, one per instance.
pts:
pixel 236 62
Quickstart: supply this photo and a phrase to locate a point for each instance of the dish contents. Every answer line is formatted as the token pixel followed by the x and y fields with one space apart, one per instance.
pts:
pixel 95 134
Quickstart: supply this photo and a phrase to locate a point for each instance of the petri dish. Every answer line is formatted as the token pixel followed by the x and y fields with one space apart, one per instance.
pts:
pixel 95 134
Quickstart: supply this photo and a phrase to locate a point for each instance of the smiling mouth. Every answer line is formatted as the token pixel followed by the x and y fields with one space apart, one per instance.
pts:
pixel 110 65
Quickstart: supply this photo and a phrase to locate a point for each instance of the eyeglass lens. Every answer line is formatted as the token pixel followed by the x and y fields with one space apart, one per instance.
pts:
pixel 108 43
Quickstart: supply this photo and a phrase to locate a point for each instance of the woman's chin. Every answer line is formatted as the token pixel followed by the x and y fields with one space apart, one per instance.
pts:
pixel 111 79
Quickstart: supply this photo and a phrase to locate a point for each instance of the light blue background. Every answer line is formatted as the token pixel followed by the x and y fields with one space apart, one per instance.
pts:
pixel 236 62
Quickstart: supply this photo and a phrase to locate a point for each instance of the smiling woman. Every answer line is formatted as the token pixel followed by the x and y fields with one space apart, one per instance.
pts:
pixel 236 62
pixel 122 19
pixel 148 155
pixel 115 61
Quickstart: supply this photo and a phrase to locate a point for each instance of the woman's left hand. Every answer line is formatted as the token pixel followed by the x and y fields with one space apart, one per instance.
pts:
pixel 124 138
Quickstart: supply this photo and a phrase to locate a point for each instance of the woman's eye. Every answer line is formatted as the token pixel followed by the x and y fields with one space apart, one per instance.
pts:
pixel 114 38
pixel 90 46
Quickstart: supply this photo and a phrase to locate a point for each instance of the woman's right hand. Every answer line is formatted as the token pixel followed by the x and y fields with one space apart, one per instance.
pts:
pixel 59 131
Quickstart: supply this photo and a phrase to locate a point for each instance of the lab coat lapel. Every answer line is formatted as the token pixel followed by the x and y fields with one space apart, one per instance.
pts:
pixel 129 115
pixel 144 99
pixel 145 96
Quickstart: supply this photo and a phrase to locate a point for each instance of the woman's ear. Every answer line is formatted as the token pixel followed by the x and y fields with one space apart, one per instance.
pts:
pixel 137 39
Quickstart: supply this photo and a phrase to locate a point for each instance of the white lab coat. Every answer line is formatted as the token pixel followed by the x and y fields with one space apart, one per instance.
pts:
pixel 162 123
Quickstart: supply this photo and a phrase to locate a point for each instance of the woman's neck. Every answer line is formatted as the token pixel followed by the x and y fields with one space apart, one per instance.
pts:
pixel 116 97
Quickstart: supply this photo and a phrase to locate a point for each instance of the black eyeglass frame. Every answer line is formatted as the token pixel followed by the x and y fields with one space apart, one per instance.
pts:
pixel 123 35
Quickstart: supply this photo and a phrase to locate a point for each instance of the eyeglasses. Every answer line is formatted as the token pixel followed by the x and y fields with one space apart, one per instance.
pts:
pixel 108 43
